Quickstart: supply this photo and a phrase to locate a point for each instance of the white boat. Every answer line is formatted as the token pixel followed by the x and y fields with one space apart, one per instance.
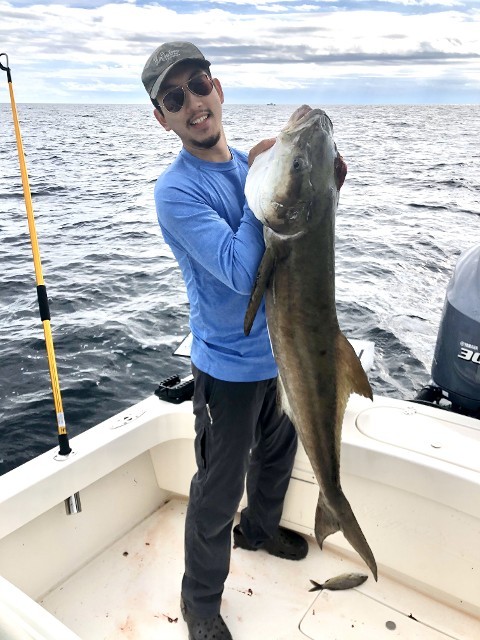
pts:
pixel 112 571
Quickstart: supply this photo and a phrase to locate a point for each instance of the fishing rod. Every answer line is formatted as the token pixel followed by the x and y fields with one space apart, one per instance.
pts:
pixel 72 504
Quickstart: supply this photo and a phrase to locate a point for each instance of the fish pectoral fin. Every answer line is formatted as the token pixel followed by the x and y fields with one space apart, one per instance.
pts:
pixel 357 377
pixel 263 276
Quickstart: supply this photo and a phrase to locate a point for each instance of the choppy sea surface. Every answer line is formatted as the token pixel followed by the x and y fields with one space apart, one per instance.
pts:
pixel 409 207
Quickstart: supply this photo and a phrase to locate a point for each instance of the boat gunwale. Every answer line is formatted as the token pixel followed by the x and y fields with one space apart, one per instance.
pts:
pixel 43 482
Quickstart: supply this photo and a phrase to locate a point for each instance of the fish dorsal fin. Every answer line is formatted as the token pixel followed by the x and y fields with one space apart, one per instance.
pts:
pixel 356 380
pixel 263 276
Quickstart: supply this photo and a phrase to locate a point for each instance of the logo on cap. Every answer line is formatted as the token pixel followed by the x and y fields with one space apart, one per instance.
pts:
pixel 167 56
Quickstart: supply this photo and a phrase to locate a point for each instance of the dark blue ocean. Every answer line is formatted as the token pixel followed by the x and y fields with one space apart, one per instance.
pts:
pixel 409 207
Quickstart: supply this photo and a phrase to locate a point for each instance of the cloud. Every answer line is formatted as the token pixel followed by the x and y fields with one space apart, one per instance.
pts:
pixel 95 51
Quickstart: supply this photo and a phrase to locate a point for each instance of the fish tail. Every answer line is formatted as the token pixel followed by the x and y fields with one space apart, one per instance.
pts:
pixel 328 521
pixel 316 586
pixel 353 533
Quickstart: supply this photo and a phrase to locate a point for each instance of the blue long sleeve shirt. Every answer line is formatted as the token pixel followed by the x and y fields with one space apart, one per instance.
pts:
pixel 218 244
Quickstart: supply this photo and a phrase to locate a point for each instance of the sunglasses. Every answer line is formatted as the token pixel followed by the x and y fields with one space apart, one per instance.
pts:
pixel 174 99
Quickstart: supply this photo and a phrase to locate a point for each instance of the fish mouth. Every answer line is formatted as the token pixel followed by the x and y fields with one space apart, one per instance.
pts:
pixel 302 113
pixel 302 116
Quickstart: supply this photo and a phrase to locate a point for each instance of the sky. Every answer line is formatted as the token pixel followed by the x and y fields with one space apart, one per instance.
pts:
pixel 280 51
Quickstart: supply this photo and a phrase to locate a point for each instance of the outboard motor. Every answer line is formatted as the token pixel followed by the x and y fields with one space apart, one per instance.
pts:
pixel 456 362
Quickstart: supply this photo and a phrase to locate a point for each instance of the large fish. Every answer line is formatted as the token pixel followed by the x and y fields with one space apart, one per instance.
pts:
pixel 293 188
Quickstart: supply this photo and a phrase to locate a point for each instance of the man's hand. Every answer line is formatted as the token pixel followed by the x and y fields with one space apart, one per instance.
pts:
pixel 259 148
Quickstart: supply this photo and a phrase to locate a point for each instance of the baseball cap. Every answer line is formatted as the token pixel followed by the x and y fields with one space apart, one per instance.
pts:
pixel 164 58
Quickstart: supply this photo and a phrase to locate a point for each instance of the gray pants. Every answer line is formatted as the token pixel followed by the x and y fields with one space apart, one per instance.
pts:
pixel 238 429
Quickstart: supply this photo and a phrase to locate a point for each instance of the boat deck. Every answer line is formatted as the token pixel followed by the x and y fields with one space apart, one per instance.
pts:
pixel 132 589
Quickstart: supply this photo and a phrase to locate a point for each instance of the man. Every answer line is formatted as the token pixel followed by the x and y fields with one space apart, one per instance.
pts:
pixel 218 243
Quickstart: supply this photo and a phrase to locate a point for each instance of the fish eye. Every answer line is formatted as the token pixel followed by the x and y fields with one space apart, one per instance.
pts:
pixel 298 163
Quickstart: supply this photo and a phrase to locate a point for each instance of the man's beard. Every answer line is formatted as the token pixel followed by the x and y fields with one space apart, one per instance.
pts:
pixel 208 143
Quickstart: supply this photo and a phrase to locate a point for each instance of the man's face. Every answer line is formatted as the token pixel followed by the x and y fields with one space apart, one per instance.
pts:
pixel 199 122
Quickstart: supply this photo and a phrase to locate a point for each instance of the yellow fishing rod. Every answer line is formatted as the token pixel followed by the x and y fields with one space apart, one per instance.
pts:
pixel 44 309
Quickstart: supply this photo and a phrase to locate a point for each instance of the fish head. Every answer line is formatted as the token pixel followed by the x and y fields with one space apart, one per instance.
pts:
pixel 295 183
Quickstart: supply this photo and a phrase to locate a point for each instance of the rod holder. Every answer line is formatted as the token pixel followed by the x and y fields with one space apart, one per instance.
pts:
pixel 73 504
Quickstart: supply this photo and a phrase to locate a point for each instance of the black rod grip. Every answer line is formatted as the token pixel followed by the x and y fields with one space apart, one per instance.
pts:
pixel 43 302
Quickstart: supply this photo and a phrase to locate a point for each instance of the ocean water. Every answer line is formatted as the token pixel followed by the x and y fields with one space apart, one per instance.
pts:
pixel 409 207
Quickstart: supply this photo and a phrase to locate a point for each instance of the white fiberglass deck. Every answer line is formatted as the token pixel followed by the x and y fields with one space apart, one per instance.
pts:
pixel 132 591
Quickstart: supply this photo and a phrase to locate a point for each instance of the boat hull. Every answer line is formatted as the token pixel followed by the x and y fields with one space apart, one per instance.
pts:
pixel 411 472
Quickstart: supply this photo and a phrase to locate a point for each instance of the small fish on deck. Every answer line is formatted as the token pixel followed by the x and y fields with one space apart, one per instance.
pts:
pixel 341 582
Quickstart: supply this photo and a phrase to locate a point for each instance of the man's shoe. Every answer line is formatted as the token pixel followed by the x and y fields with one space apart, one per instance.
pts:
pixel 284 544
pixel 204 628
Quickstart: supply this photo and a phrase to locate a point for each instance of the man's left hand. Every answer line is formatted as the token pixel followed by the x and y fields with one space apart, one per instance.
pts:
pixel 259 148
